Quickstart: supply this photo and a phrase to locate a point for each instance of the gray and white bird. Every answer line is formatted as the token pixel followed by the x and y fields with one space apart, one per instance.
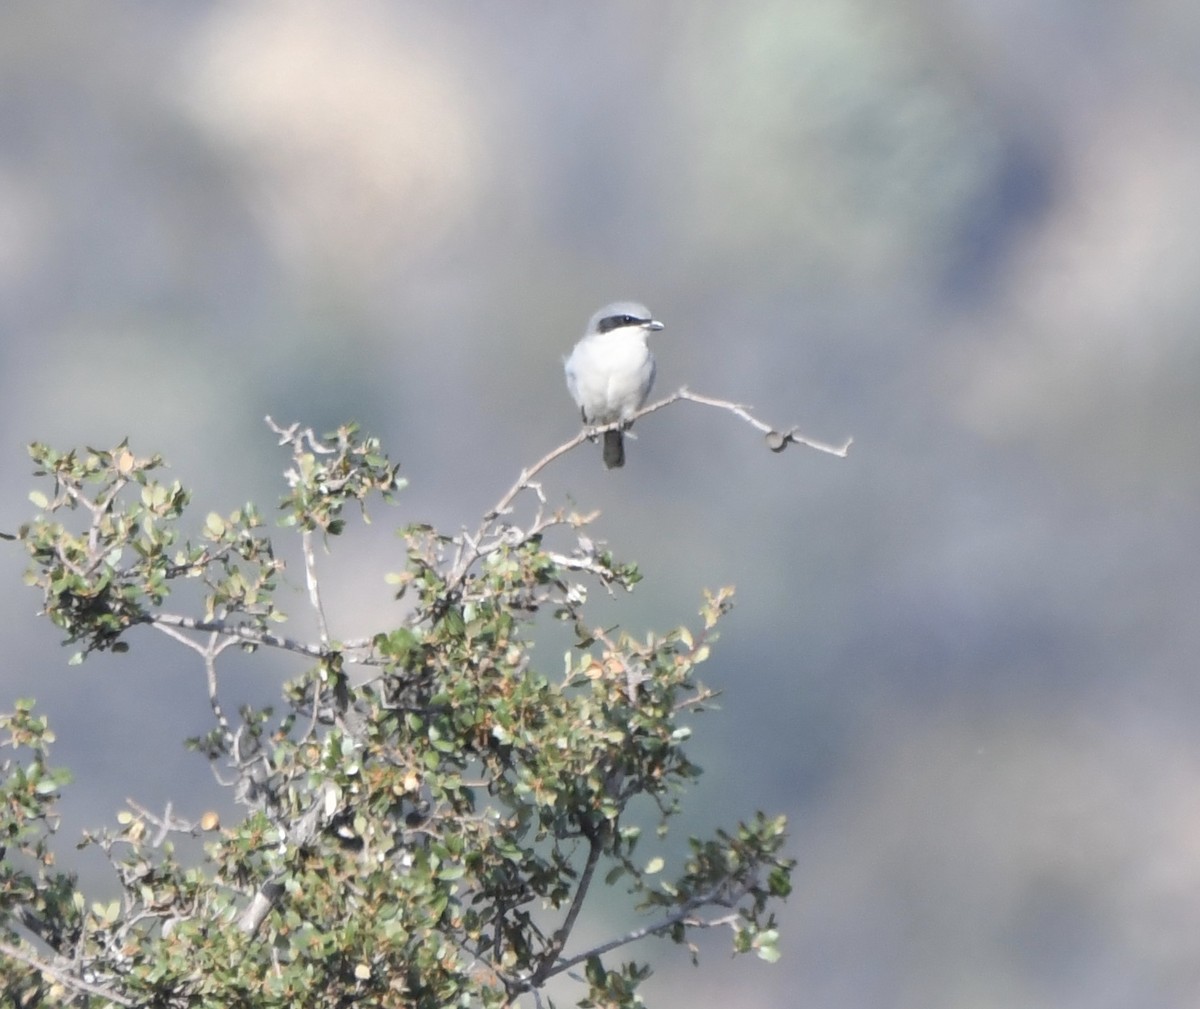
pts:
pixel 611 370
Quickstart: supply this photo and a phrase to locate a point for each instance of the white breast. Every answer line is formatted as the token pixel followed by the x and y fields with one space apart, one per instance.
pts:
pixel 609 375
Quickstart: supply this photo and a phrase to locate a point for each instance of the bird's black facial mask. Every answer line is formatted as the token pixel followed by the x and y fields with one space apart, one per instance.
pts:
pixel 616 321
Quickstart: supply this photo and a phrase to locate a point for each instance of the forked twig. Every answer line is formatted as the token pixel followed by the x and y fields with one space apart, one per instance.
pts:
pixel 776 440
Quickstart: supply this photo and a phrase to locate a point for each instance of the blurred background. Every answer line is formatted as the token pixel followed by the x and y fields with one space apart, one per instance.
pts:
pixel 962 231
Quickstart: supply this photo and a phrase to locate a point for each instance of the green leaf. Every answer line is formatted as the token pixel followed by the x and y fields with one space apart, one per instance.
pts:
pixel 420 808
pixel 768 953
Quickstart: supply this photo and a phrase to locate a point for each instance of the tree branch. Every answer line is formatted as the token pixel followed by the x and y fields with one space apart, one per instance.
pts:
pixel 208 653
pixel 314 589
pixel 167 824
pixel 777 441
pixel 66 979
pixel 559 940
pixel 683 914
pixel 256 637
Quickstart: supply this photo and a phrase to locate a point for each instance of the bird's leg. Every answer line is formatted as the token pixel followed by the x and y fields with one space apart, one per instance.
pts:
pixel 591 428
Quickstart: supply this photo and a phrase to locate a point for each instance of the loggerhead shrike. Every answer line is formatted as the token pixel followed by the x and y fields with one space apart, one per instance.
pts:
pixel 611 370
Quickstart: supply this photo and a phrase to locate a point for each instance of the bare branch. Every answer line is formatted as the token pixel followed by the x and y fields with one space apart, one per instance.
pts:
pixel 63 977
pixel 167 824
pixel 314 590
pixel 254 636
pixel 257 910
pixel 546 967
pixel 216 645
pixel 777 441
pixel 683 914
pixel 297 436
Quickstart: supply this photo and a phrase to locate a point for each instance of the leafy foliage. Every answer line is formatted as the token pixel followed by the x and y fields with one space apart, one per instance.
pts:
pixel 427 814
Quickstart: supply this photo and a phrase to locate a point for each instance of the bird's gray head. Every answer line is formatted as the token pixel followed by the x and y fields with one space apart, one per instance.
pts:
pixel 621 314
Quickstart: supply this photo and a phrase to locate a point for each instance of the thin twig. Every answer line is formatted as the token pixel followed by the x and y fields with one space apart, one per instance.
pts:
pixel 167 823
pixel 314 589
pixel 215 647
pixel 208 653
pixel 777 440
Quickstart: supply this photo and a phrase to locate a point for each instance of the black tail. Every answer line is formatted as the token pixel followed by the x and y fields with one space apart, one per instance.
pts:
pixel 614 449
